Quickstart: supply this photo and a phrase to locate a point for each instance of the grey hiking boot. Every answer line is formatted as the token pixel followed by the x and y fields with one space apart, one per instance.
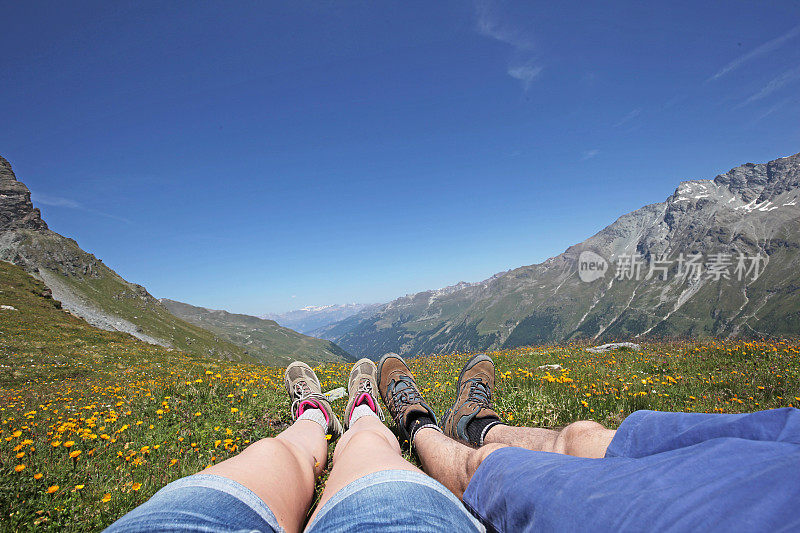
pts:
pixel 471 416
pixel 363 388
pixel 305 392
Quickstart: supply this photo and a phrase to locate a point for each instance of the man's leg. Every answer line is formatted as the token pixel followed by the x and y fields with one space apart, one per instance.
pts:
pixel 472 421
pixel 581 439
pixel 453 463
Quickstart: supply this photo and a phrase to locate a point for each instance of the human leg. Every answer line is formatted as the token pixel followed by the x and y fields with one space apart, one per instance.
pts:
pixel 371 479
pixel 268 486
pixel 581 439
pixel 281 470
pixel 472 421
pixel 648 480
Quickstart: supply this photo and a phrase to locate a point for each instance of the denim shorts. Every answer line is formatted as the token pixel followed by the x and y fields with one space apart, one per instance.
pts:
pixel 661 472
pixel 390 500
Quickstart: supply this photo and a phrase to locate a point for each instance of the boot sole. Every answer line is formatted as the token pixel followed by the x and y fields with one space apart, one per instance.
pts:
pixel 380 365
pixel 357 363
pixel 349 386
pixel 481 357
pixel 286 374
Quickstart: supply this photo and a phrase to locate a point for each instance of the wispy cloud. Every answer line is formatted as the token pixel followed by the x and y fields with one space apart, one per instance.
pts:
pixel 773 109
pixel 588 154
pixel 628 117
pixel 55 201
pixel 525 73
pixel 489 25
pixel 522 64
pixel 765 48
pixel 776 83
pixel 59 201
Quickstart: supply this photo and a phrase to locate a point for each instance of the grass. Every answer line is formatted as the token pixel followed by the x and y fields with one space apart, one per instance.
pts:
pixel 92 423
pixel 95 446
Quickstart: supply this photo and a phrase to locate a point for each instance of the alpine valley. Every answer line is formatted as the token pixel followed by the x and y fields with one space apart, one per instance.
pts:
pixel 748 215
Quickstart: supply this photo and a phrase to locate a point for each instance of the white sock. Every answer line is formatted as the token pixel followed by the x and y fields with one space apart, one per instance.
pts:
pixel 315 415
pixel 359 411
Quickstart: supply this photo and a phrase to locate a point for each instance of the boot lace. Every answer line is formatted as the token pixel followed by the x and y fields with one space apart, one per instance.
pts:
pixel 480 393
pixel 303 392
pixel 403 394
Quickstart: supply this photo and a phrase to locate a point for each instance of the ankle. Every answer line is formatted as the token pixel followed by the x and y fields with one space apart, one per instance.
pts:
pixel 363 410
pixel 314 413
pixel 479 428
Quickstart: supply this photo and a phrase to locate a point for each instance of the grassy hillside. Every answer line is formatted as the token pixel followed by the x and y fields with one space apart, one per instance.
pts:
pixel 92 290
pixel 41 345
pixel 142 416
pixel 264 340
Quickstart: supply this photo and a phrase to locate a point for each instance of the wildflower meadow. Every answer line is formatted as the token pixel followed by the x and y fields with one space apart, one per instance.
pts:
pixel 78 452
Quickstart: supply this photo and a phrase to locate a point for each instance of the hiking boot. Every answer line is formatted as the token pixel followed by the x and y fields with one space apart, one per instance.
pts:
pixel 363 388
pixel 402 397
pixel 471 416
pixel 305 392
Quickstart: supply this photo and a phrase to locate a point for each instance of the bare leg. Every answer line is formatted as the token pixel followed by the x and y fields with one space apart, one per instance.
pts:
pixel 581 439
pixel 453 464
pixel 367 447
pixel 449 462
pixel 281 471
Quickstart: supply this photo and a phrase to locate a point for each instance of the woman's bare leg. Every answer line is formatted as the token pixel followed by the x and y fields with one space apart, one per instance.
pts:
pixel 367 447
pixel 281 470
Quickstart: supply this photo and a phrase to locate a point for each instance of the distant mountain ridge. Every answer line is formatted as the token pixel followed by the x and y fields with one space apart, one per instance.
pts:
pixel 752 210
pixel 314 317
pixel 263 339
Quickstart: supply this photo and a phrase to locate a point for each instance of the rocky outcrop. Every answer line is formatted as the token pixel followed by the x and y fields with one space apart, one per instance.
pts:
pixel 16 209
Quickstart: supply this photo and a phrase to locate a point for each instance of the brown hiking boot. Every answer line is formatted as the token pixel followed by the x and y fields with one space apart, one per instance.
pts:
pixel 363 388
pixel 473 403
pixel 402 397
pixel 305 392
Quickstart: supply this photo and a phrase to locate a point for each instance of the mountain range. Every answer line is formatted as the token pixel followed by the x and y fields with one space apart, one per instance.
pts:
pixel 313 317
pixel 263 339
pixel 719 257
pixel 89 289
pixel 716 258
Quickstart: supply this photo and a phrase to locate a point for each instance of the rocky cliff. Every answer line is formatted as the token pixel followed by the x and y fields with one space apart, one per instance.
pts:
pixel 16 209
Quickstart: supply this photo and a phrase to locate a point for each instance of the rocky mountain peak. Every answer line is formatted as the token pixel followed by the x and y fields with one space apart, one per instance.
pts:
pixel 763 181
pixel 16 209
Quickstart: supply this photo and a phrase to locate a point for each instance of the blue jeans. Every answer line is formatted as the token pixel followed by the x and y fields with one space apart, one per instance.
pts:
pixel 661 472
pixel 391 500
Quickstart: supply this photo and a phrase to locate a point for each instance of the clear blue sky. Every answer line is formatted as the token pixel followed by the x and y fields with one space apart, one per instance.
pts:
pixel 264 156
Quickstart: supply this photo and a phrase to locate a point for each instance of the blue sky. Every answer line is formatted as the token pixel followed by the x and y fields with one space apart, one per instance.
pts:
pixel 264 156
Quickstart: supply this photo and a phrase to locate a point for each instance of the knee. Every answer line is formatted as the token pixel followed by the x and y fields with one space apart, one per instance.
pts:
pixel 368 438
pixel 571 437
pixel 277 447
pixel 477 456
